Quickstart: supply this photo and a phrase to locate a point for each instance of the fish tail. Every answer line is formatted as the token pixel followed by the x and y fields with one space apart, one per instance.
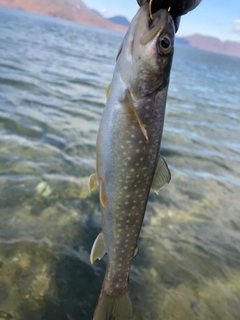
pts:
pixel 113 308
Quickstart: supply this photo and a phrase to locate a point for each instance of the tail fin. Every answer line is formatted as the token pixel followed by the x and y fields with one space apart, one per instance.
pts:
pixel 113 308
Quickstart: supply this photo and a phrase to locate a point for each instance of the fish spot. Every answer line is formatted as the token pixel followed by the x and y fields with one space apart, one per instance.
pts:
pixel 137 150
pixel 132 170
pixel 127 202
pixel 125 187
pixel 131 146
pixel 140 142
pixel 128 141
pixel 125 163
pixel 132 135
pixel 133 207
pixel 148 107
pixel 146 115
pixel 133 127
pixel 129 158
pixel 141 159
pixel 137 164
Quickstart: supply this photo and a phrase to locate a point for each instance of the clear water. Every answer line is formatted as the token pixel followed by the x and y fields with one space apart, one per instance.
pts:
pixel 53 75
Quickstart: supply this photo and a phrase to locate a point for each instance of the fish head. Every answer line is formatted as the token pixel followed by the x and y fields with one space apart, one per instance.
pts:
pixel 146 56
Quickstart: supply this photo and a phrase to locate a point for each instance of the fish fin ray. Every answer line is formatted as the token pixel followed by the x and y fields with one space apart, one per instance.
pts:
pixel 99 248
pixel 162 175
pixel 127 102
pixel 92 182
pixel 102 193
pixel 117 308
pixel 135 251
pixel 108 89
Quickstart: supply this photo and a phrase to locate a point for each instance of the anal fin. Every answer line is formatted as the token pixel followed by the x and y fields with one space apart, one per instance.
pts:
pixel 128 104
pixel 162 175
pixel 92 182
pixel 98 249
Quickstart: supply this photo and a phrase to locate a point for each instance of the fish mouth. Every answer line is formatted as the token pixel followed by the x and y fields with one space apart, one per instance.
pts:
pixel 154 23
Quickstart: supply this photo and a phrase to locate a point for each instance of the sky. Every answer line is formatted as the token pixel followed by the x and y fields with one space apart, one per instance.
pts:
pixel 217 18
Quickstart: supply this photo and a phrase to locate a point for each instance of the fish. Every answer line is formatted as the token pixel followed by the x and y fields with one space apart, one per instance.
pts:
pixel 128 161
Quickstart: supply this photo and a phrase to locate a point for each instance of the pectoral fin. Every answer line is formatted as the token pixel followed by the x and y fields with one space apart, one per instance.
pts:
pixel 108 89
pixel 162 175
pixel 92 182
pixel 128 104
pixel 98 249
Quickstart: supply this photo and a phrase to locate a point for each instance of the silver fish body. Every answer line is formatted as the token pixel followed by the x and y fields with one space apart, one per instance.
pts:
pixel 128 146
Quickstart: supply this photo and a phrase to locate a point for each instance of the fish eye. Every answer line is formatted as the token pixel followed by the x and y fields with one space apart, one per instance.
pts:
pixel 165 45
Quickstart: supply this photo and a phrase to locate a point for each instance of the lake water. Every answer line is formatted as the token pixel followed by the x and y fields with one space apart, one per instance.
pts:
pixel 53 75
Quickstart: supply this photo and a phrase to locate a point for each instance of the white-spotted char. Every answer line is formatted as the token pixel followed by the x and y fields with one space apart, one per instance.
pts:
pixel 128 145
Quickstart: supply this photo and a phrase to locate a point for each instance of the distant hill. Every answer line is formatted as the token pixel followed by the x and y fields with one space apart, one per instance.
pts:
pixel 120 20
pixel 74 10
pixel 77 11
pixel 211 44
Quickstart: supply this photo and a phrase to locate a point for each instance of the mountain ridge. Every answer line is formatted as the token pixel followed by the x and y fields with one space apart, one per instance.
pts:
pixel 76 10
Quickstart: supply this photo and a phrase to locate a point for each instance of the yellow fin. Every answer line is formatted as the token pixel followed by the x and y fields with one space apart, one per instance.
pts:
pixel 162 175
pixel 92 182
pixel 98 249
pixel 103 197
pixel 128 104
pixel 108 89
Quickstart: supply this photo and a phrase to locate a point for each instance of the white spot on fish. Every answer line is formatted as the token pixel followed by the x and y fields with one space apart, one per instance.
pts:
pixel 132 170
pixel 128 141
pixel 147 107
pixel 146 115
pixel 141 159
pixel 127 202
pixel 137 150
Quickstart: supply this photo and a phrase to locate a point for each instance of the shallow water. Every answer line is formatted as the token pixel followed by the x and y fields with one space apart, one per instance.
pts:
pixel 53 75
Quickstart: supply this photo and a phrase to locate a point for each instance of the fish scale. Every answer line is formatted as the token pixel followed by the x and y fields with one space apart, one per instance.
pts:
pixel 127 158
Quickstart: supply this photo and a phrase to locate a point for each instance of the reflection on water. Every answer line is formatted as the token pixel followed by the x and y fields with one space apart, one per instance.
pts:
pixel 53 75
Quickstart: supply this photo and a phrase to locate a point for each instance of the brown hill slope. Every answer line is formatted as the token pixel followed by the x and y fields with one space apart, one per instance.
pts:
pixel 74 10
pixel 213 44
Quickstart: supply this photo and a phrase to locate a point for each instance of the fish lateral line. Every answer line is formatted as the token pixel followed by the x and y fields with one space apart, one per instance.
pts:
pixel 127 102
